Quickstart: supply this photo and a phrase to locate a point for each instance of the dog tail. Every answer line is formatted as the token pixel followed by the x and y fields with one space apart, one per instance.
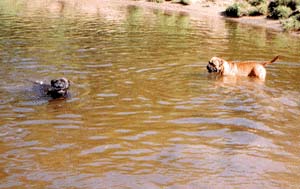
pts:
pixel 273 60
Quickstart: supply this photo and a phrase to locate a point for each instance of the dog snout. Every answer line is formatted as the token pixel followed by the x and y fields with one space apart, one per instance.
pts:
pixel 59 84
pixel 211 68
pixel 208 69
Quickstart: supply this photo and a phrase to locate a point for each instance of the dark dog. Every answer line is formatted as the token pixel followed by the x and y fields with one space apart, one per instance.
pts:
pixel 251 68
pixel 58 88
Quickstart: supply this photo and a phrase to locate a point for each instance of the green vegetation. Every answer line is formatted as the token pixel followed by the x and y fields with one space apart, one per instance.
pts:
pixel 288 11
pixel 282 8
pixel 235 10
pixel 292 23
pixel 256 2
pixel 280 12
pixel 247 8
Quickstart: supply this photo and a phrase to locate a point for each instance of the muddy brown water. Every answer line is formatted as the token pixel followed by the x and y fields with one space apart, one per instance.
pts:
pixel 143 111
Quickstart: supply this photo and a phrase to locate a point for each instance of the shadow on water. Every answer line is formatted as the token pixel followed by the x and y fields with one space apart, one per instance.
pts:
pixel 144 112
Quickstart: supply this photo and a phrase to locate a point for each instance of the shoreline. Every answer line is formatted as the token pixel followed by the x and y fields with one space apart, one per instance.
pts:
pixel 199 9
pixel 208 9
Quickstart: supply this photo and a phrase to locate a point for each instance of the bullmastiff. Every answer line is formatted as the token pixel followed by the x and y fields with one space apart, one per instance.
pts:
pixel 249 68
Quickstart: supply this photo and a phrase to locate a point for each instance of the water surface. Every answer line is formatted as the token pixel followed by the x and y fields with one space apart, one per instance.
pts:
pixel 143 112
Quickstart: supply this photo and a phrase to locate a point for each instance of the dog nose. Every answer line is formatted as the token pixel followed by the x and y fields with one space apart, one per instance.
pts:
pixel 208 68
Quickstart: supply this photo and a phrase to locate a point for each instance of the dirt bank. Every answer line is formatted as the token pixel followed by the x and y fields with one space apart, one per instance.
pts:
pixel 201 8
pixel 209 8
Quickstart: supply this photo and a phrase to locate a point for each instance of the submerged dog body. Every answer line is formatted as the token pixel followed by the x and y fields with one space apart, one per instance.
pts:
pixel 252 69
pixel 58 88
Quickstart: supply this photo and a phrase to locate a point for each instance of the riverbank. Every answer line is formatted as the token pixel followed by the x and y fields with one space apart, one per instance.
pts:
pixel 206 8
pixel 199 9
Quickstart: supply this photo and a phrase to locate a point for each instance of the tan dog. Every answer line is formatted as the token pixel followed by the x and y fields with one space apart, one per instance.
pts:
pixel 251 68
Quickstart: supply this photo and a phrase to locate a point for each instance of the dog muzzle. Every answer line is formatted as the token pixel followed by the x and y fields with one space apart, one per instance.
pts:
pixel 211 68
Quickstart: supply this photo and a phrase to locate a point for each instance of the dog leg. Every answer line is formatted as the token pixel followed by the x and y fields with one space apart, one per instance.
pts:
pixel 258 71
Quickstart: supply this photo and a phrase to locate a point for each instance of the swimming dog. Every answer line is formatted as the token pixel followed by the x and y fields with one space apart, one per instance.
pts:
pixel 250 68
pixel 58 88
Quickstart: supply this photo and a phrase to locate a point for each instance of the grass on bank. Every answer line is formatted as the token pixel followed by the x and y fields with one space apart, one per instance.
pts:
pixel 247 8
pixel 287 11
pixel 292 23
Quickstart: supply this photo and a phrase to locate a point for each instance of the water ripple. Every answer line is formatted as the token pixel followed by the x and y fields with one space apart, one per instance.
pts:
pixel 240 122
pixel 143 111
pixel 100 149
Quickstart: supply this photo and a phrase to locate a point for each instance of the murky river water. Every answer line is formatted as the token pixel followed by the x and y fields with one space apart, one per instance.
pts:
pixel 143 112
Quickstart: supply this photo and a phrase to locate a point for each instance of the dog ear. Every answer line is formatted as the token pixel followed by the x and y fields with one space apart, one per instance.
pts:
pixel 52 82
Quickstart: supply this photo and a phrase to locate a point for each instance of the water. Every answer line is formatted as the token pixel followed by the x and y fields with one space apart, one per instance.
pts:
pixel 144 113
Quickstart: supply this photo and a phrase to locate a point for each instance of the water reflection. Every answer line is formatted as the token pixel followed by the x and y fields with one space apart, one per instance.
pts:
pixel 144 113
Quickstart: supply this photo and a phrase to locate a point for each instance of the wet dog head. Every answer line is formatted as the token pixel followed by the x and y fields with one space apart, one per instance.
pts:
pixel 59 88
pixel 215 64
